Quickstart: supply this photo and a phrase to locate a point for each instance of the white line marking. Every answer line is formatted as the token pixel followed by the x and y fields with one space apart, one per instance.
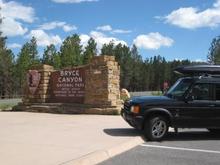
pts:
pixel 179 148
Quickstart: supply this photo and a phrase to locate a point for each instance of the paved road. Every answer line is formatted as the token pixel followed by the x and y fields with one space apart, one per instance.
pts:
pixel 191 147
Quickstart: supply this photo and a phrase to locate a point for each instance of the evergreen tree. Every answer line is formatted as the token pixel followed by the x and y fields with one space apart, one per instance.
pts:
pixel 214 51
pixel 49 55
pixel 90 51
pixel 57 61
pixel 137 69
pixel 33 51
pixel 108 49
pixel 6 68
pixel 70 51
pixel 123 57
pixel 145 75
pixel 22 65
pixel 27 57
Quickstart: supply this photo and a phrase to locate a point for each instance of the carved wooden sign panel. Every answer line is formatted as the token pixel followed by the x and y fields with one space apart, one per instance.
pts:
pixel 68 86
pixel 33 80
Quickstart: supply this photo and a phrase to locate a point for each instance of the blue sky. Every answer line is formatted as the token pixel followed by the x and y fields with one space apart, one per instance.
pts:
pixel 174 29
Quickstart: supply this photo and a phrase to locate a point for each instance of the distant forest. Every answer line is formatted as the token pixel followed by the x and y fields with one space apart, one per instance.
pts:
pixel 137 74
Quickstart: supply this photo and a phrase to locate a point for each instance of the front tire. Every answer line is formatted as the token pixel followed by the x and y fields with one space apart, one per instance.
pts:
pixel 156 128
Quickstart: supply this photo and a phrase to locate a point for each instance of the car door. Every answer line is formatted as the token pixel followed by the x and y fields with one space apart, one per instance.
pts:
pixel 197 111
pixel 216 109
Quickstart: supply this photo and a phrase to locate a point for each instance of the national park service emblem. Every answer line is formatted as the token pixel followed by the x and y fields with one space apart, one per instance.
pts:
pixel 33 79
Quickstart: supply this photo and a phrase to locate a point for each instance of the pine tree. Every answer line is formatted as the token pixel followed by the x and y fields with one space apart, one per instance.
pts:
pixel 52 57
pixel 49 54
pixel 57 61
pixel 136 83
pixel 108 49
pixel 6 68
pixel 214 51
pixel 27 57
pixel 123 57
pixel 33 51
pixel 90 51
pixel 71 51
pixel 23 64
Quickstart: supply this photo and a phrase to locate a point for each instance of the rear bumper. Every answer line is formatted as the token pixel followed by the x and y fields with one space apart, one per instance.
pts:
pixel 134 121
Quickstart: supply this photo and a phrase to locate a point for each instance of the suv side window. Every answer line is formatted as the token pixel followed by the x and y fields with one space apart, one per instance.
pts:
pixel 201 92
pixel 217 92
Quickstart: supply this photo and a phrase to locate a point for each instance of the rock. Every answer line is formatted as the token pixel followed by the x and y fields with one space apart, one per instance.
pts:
pixel 125 95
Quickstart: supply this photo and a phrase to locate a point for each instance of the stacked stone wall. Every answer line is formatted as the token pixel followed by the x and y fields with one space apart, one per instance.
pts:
pixel 102 79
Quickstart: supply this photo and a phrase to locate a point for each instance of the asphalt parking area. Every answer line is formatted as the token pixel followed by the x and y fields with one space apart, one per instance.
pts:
pixel 191 147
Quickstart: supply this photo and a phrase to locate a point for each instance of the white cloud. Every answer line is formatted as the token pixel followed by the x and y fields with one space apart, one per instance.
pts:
pixel 200 60
pixel 14 45
pixel 51 25
pixel 152 41
pixel 68 28
pixel 17 11
pixel 104 28
pixel 121 31
pixel 192 18
pixel 44 39
pixel 100 39
pixel 11 28
pixel 73 1
pixel 217 3
pixel 14 14
pixel 113 31
pixel 56 24
pixel 84 39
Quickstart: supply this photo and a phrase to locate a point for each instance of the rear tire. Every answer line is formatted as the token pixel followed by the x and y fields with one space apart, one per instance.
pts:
pixel 156 128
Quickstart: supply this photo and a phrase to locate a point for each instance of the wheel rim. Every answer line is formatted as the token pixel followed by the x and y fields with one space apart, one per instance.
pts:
pixel 159 129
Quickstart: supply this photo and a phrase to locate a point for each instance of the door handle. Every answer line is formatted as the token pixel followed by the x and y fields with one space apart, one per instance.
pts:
pixel 212 105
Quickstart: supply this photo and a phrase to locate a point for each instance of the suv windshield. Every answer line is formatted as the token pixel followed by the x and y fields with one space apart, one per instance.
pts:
pixel 179 88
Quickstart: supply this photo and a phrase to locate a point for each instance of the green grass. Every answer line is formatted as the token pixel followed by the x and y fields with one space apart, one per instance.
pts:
pixel 157 93
pixel 6 104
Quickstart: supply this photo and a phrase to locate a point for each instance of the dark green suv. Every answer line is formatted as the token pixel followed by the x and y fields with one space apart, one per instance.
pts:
pixel 192 102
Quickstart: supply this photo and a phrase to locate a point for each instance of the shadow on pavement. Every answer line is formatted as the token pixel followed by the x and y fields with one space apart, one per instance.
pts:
pixel 122 132
pixel 171 136
pixel 192 135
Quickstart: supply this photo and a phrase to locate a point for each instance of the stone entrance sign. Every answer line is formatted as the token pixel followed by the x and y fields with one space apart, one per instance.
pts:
pixel 85 89
pixel 68 86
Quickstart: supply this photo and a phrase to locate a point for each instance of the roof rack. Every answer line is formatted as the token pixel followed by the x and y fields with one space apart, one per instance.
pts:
pixel 198 70
pixel 210 75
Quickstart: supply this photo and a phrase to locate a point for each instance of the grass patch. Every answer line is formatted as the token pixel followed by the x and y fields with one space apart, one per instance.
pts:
pixel 157 93
pixel 116 113
pixel 6 106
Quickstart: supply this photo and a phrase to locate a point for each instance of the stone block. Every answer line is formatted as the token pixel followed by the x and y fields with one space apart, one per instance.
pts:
pixel 42 92
pixel 110 63
pixel 43 68
pixel 42 81
pixel 44 96
pixel 45 78
pixel 45 74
